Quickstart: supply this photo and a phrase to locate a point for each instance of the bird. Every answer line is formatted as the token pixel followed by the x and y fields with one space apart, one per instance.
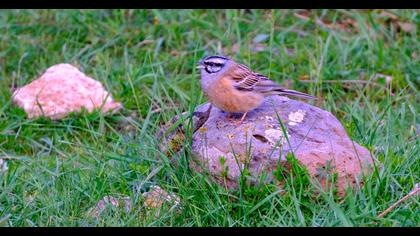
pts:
pixel 234 88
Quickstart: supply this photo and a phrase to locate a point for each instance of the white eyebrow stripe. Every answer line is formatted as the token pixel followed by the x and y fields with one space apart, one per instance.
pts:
pixel 216 60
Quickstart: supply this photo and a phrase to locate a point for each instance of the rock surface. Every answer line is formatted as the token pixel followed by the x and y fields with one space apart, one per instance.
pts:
pixel 317 139
pixel 60 90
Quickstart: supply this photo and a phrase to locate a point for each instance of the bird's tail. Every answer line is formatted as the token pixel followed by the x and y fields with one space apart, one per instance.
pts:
pixel 295 93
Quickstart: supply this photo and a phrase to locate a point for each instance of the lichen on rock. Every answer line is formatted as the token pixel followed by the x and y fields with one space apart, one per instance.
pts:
pixel 296 117
pixel 276 137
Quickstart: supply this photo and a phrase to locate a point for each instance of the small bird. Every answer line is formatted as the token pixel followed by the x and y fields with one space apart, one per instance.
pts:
pixel 234 88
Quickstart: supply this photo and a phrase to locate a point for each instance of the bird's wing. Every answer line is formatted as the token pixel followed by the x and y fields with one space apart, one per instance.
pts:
pixel 247 80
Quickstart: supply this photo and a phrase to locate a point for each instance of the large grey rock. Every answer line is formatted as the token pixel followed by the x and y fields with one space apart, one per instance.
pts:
pixel 317 139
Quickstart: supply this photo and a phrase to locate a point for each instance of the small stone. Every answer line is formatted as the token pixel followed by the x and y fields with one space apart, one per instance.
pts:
pixel 63 89
pixel 156 197
pixel 3 166
pixel 111 201
pixel 414 55
pixel 260 38
pixel 407 27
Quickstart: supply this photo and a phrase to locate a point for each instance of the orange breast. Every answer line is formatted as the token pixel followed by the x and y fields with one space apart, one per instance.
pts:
pixel 224 96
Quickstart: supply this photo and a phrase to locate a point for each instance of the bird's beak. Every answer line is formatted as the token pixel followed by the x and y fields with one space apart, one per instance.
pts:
pixel 200 65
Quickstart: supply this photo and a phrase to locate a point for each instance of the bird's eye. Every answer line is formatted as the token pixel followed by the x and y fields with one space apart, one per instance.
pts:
pixel 215 65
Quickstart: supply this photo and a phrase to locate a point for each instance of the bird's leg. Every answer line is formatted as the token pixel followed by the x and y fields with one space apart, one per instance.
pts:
pixel 243 117
pixel 229 116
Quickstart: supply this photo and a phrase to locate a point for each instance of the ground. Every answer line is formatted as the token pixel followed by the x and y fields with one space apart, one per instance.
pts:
pixel 362 65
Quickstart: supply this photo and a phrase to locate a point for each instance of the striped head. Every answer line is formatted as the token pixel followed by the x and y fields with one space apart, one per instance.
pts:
pixel 212 64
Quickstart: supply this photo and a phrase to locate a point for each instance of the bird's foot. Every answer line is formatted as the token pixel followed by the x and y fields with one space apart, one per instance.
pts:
pixel 234 120
pixel 243 117
pixel 230 117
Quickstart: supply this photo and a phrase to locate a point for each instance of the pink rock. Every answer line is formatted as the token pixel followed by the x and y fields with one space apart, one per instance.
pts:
pixel 63 89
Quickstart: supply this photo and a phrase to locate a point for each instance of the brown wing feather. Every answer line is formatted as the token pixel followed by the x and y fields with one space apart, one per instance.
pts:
pixel 247 80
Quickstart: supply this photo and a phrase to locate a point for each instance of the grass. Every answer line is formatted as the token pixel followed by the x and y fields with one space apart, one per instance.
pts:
pixel 59 170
